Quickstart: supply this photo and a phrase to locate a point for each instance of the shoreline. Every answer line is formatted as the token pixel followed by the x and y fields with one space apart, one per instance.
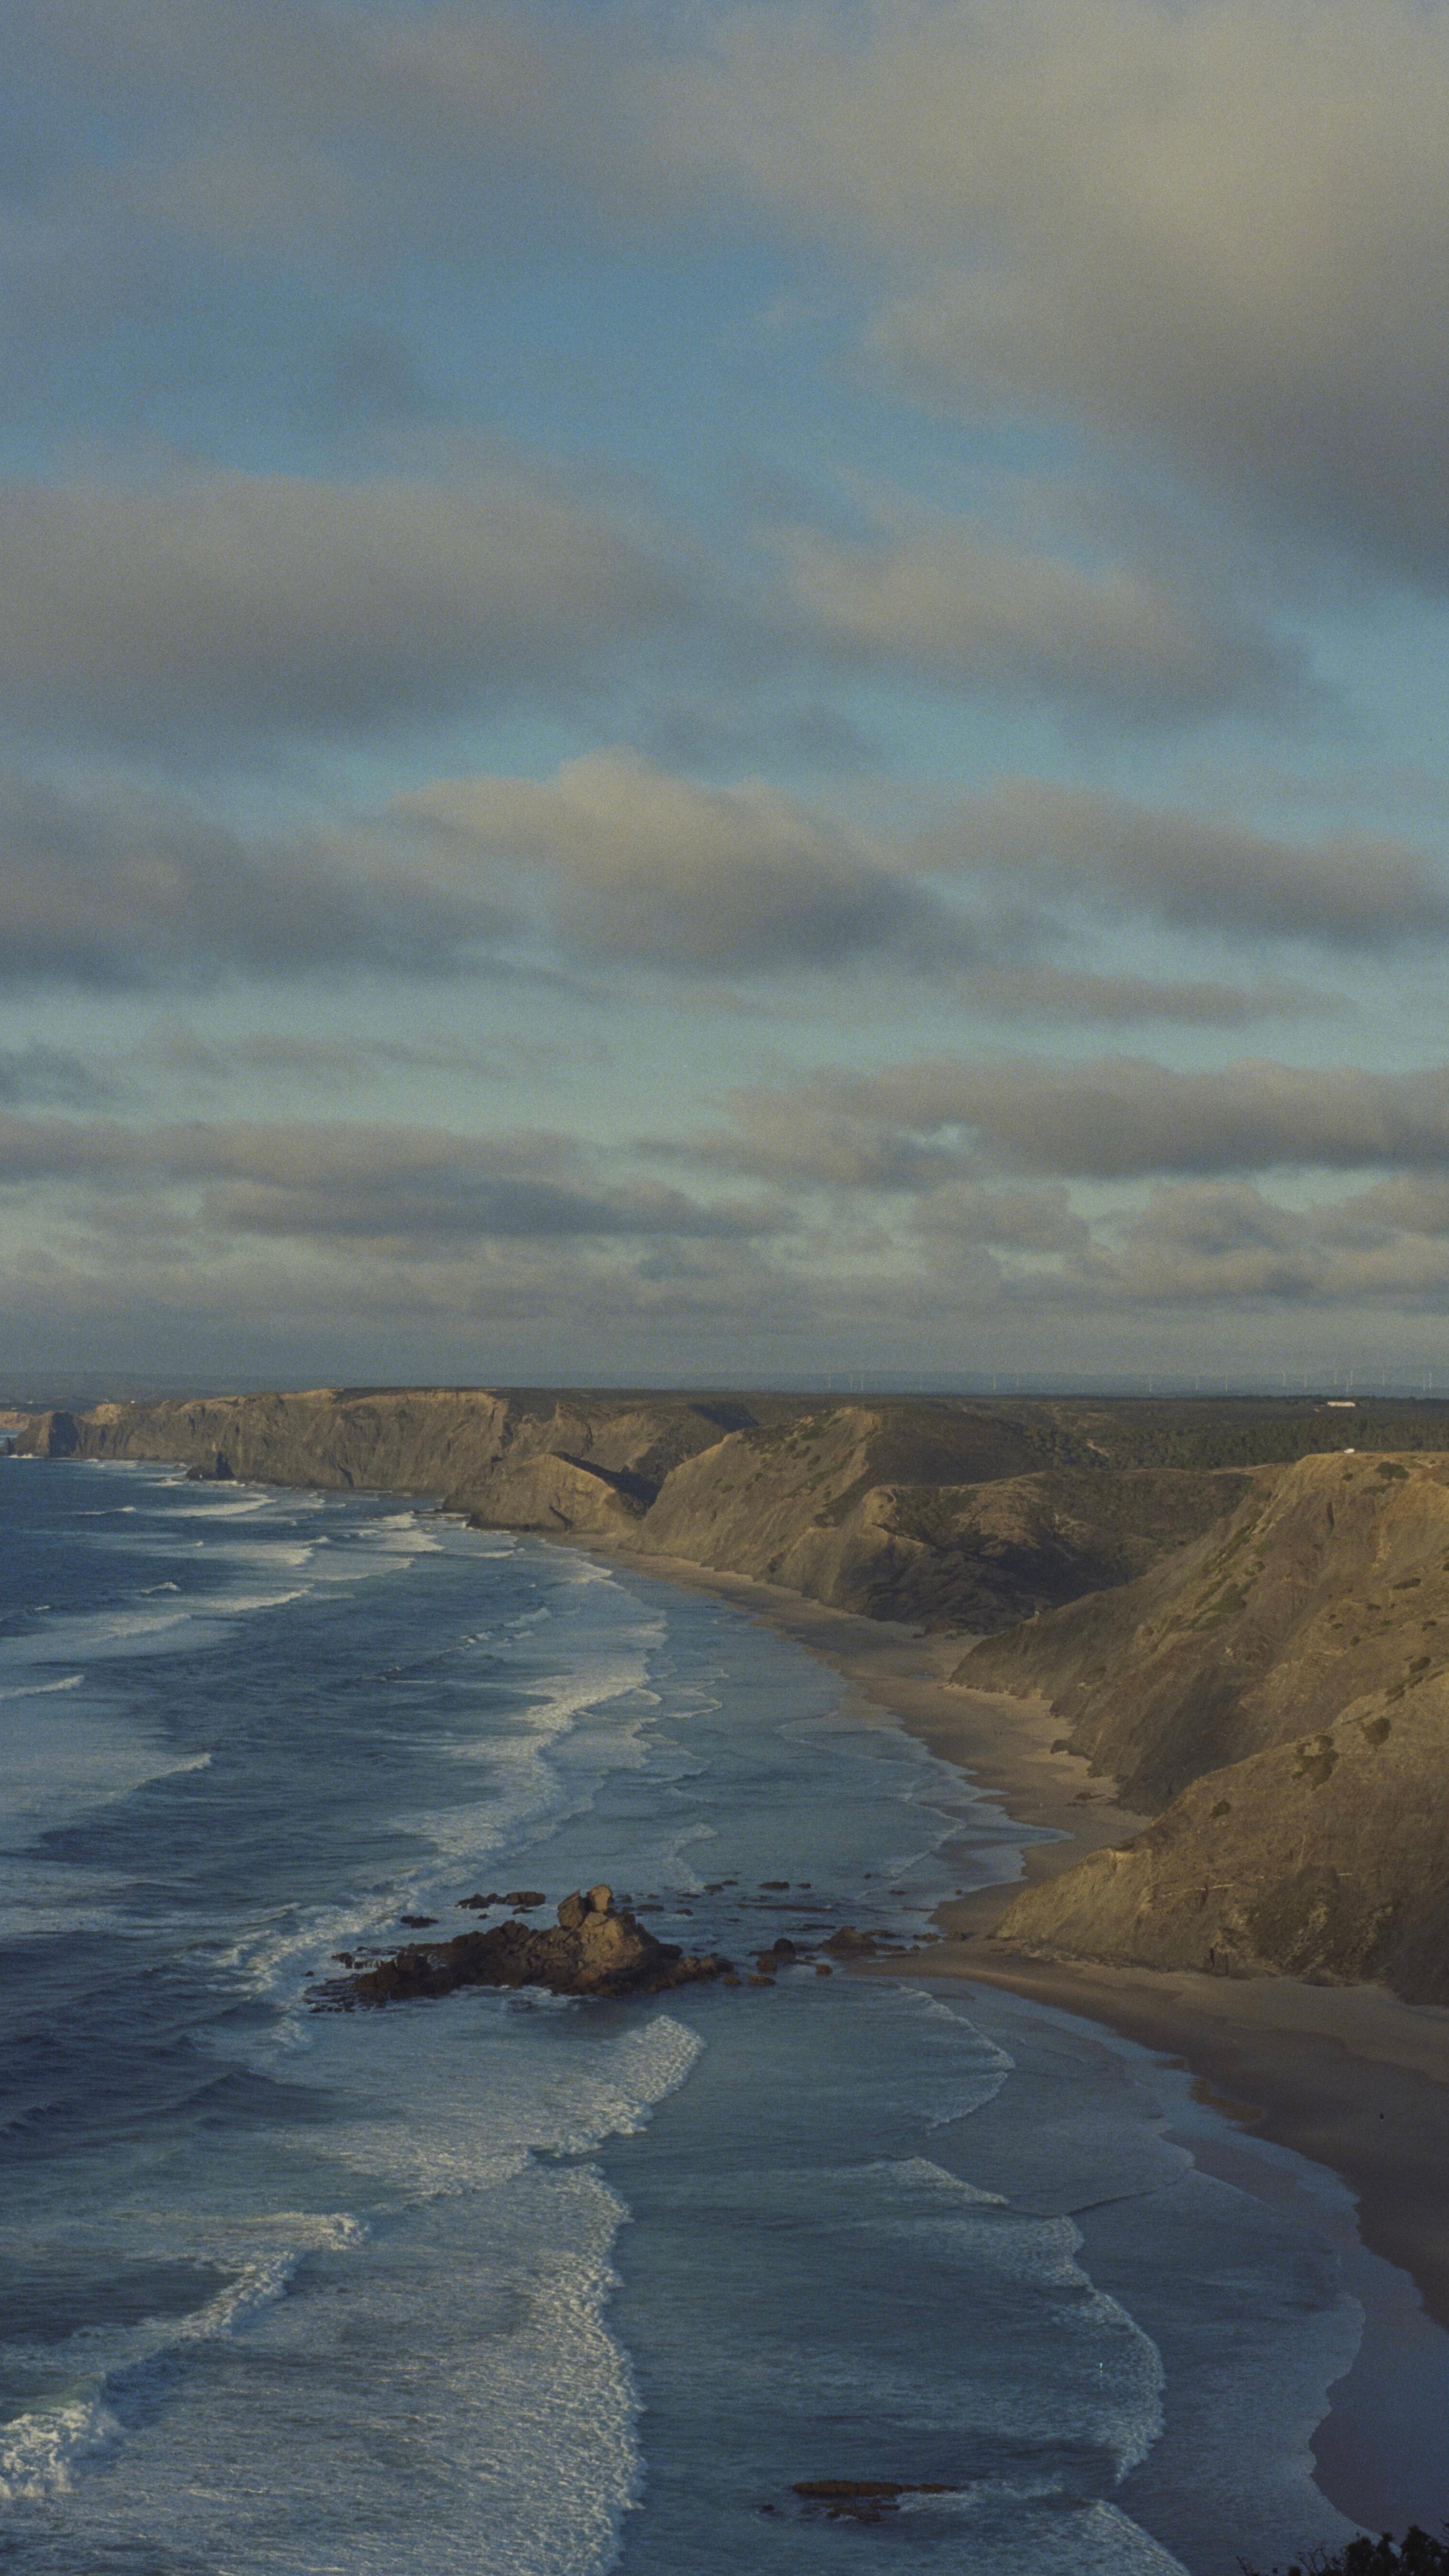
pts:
pixel 1349 2078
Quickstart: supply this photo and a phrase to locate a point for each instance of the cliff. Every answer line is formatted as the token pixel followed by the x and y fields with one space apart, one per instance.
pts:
pixel 955 1515
pixel 1279 1691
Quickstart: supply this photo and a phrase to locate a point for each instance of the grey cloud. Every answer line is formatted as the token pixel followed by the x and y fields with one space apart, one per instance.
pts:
pixel 1217 228
pixel 298 603
pixel 399 1189
pixel 46 1077
pixel 1215 1240
pixel 1117 1117
pixel 1031 1221
pixel 974 611
pixel 1061 994
pixel 1410 1203
pixel 119 891
pixel 615 861
pixel 658 870
pixel 1096 850
pixel 1197 1245
pixel 810 1134
pixel 1209 1243
pixel 277 123
pixel 336 1063
pixel 1112 1118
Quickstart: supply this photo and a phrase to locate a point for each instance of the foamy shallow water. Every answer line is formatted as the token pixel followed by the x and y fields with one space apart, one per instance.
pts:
pixel 513 2284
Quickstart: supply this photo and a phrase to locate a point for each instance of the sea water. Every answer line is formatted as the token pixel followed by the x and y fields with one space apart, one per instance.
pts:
pixel 522 2286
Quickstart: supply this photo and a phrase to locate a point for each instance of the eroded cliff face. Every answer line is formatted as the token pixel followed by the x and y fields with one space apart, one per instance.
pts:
pixel 1280 1690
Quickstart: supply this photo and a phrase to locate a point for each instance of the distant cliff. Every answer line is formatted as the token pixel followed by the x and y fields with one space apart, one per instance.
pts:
pixel 954 1514
pixel 1279 1690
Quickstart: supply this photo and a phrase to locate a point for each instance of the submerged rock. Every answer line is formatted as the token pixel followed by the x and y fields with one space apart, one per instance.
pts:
pixel 593 1950
pixel 860 2499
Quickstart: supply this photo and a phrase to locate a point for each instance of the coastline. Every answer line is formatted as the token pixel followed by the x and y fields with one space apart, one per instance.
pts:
pixel 1348 2077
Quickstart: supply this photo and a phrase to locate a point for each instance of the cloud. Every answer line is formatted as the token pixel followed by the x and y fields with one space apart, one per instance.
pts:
pixel 1097 851
pixel 1198 1245
pixel 1027 1221
pixel 119 891
pixel 297 130
pixel 972 611
pixel 1113 1118
pixel 402 1191
pixel 298 603
pixel 615 861
pixel 641 866
pixel 39 1076
pixel 346 1063
pixel 1070 995
pixel 1217 226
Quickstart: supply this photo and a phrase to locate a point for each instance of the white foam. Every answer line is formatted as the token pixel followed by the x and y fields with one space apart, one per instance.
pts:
pixel 478 2133
pixel 238 1605
pixel 917 2170
pixel 43 1690
pixel 40 2451
pixel 1031 2534
pixel 957 2081
pixel 399 1533
pixel 1098 2381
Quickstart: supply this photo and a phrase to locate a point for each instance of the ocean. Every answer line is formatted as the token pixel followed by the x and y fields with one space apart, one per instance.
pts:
pixel 521 2286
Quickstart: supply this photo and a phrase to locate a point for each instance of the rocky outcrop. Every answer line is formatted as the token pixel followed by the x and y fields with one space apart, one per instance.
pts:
pixel 595 1948
pixel 1280 1692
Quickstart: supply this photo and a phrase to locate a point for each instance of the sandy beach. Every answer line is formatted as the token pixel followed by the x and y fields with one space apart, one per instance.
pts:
pixel 1347 2076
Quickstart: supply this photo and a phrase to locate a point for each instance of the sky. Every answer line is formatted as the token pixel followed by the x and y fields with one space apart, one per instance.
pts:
pixel 724 694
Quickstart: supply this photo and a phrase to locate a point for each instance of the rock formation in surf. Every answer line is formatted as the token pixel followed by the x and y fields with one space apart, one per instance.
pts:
pixel 595 1948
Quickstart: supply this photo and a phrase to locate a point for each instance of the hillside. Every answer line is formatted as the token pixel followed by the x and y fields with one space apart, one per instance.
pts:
pixel 903 1514
pixel 1279 1690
